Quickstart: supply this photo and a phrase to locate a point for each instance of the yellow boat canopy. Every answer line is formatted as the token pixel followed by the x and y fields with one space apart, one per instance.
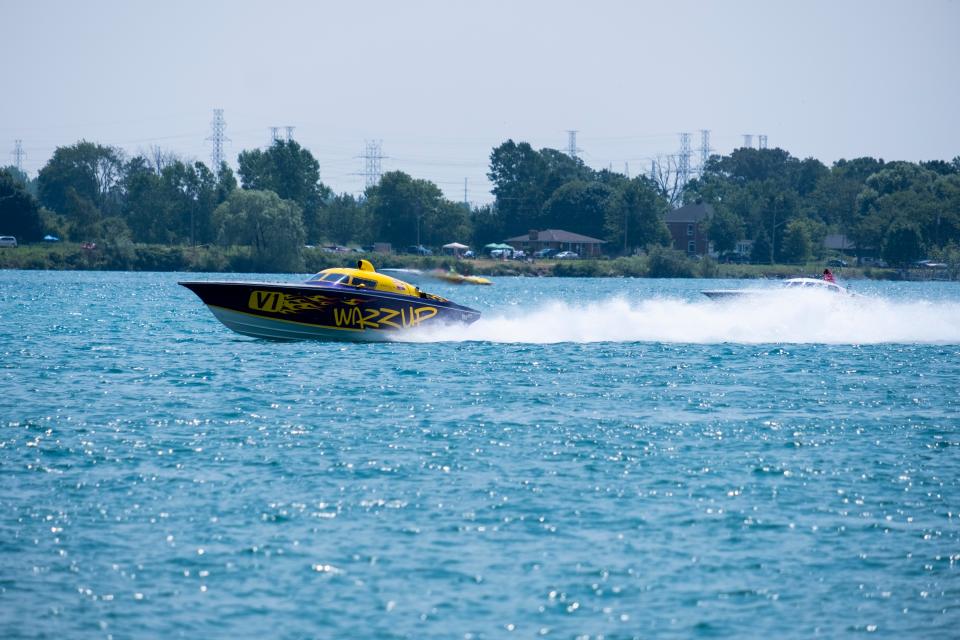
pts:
pixel 365 277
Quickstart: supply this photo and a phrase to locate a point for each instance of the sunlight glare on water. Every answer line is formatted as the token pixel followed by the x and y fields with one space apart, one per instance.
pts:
pixel 617 458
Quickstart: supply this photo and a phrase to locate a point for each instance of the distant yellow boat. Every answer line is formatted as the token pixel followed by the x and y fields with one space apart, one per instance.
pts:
pixel 458 278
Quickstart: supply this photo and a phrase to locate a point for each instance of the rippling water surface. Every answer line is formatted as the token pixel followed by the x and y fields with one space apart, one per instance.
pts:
pixel 594 458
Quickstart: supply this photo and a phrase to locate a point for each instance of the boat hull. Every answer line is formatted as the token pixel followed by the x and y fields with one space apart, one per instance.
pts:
pixel 729 294
pixel 792 285
pixel 305 312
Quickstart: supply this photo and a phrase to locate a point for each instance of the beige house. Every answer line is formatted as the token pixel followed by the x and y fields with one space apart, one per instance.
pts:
pixel 584 246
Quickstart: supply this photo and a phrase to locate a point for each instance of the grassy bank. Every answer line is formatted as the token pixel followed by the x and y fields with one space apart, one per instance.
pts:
pixel 149 257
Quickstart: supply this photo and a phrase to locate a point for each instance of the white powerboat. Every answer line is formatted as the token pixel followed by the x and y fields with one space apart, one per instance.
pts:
pixel 796 284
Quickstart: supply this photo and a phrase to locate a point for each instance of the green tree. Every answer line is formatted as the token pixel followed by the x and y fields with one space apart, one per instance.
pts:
pixel 524 180
pixel 84 217
pixel 797 243
pixel 582 207
pixel 292 173
pixel 638 220
pixel 405 211
pixel 262 220
pixel 196 192
pixel 147 206
pixel 903 244
pixel 724 229
pixel 664 262
pixel 901 191
pixel 947 216
pixel 347 220
pixel 487 225
pixel 19 211
pixel 93 173
pixel 756 165
pixel 21 177
pixel 761 252
pixel 775 208
pixel 175 202
pixel 451 224
pixel 517 173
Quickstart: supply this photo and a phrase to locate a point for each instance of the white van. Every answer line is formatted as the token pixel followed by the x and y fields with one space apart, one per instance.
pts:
pixel 8 241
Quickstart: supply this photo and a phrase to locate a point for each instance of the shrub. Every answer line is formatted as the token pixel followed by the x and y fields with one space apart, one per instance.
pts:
pixel 668 263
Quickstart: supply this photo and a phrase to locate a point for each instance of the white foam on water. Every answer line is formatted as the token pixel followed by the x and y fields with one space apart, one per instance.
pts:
pixel 782 317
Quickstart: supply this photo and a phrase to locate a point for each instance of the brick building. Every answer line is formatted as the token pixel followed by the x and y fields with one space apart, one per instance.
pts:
pixel 687 230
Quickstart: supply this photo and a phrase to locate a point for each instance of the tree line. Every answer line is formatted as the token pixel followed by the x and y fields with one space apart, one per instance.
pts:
pixel 276 203
pixel 900 211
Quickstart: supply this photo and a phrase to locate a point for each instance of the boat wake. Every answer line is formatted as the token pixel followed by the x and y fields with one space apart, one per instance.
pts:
pixel 812 317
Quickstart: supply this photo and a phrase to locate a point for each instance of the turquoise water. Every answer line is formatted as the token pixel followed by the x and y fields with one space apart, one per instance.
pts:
pixel 595 458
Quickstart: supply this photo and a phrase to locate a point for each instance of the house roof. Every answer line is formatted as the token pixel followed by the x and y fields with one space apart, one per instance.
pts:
pixel 690 213
pixel 838 241
pixel 557 235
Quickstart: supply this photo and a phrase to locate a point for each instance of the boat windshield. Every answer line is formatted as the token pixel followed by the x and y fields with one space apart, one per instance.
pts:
pixel 362 282
pixel 818 284
pixel 332 278
pixel 345 279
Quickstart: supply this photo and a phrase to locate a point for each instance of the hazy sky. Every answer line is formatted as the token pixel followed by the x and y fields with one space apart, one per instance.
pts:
pixel 443 82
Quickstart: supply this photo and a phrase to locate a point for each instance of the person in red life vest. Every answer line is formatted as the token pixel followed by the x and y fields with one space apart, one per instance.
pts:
pixel 828 276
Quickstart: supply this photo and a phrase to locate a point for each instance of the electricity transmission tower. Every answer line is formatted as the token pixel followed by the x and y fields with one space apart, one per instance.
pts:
pixel 763 141
pixel 372 156
pixel 275 135
pixel 704 149
pixel 748 140
pixel 572 149
pixel 683 158
pixel 18 154
pixel 217 128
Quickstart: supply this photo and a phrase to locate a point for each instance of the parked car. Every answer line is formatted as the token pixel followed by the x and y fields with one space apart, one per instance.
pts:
pixel 544 253
pixel 419 250
pixel 732 257
pixel 8 241
pixel 567 255
pixel 518 254
pixel 836 262
pixel 469 254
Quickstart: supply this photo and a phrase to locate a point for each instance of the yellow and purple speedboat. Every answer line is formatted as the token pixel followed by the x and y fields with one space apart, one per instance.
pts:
pixel 335 304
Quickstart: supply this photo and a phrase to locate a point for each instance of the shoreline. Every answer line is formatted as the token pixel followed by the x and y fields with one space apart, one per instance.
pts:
pixel 68 256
